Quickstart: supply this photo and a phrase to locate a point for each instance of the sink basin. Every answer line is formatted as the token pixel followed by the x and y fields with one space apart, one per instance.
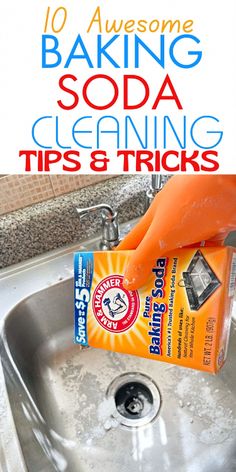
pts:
pixel 92 410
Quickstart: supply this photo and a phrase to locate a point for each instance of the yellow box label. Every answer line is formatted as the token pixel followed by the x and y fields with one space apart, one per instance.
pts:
pixel 181 315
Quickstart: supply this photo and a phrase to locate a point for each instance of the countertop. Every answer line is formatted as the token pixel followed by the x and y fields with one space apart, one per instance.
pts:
pixel 54 223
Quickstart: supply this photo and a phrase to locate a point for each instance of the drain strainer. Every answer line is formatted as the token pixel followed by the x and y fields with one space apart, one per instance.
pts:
pixel 136 397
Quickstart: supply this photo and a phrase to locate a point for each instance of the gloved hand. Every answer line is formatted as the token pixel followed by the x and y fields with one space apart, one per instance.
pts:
pixel 188 210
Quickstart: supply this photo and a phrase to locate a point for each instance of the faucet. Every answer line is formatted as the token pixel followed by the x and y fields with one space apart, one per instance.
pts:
pixel 110 228
pixel 157 183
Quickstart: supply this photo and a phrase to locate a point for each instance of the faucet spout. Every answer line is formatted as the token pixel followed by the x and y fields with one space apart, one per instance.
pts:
pixel 95 208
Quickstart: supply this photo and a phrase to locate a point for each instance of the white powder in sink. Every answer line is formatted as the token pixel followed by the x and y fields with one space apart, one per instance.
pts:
pixel 211 406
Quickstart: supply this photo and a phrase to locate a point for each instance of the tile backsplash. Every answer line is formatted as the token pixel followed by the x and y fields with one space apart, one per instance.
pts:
pixel 68 183
pixel 19 191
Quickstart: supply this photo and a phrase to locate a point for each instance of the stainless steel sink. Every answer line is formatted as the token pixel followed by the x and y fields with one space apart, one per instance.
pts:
pixel 91 410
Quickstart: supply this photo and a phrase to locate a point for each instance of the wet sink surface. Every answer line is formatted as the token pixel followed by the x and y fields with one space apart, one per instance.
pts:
pixel 64 400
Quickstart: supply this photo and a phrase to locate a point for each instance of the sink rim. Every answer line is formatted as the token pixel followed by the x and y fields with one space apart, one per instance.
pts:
pixel 37 271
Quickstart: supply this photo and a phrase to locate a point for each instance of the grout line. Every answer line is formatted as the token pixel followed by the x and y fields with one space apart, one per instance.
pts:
pixel 53 191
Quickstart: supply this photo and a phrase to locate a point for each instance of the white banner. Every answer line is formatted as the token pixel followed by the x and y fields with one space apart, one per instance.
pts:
pixel 117 87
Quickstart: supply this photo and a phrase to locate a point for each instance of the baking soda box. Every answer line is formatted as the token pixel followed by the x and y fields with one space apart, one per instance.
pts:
pixel 181 316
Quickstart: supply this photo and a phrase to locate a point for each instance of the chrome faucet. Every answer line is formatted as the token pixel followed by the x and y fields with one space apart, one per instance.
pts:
pixel 157 183
pixel 110 228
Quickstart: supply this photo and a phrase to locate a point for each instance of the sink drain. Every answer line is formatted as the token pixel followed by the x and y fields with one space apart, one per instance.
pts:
pixel 136 397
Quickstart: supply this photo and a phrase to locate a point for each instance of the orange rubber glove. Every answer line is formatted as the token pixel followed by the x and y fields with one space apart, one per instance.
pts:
pixel 188 210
